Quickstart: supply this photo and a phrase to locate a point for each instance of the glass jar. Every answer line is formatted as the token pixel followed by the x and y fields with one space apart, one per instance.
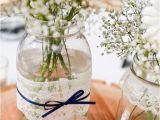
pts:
pixel 141 85
pixel 52 68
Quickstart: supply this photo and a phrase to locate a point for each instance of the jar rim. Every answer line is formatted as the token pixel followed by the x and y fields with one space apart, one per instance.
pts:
pixel 142 79
pixel 74 25
pixel 55 37
pixel 135 58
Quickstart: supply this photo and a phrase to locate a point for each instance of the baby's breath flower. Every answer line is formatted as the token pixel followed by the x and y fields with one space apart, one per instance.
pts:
pixel 123 28
pixel 123 34
pixel 56 15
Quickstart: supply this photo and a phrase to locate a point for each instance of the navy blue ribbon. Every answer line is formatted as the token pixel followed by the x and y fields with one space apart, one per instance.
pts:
pixel 74 99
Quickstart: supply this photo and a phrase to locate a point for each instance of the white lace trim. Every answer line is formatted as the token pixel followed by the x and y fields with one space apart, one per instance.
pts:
pixel 42 92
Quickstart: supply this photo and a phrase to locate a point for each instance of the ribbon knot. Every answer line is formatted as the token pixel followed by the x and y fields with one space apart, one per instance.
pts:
pixel 52 106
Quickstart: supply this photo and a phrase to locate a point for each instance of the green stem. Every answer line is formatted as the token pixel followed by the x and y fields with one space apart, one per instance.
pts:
pixel 69 62
pixel 50 63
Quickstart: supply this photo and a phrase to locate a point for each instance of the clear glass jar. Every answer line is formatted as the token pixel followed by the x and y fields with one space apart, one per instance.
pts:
pixel 52 68
pixel 141 85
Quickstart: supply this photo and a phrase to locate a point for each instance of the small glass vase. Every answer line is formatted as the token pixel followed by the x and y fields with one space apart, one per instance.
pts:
pixel 142 88
pixel 52 68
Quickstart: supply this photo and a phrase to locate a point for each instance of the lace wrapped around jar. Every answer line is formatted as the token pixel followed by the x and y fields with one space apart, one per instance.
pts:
pixel 142 90
pixel 69 71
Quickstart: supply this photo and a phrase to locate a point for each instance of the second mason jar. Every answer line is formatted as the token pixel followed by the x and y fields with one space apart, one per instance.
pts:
pixel 141 85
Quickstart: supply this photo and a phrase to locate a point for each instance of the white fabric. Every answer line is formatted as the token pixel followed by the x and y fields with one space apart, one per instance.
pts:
pixel 61 90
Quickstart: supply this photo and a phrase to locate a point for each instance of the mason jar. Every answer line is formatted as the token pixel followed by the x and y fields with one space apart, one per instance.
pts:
pixel 51 68
pixel 141 85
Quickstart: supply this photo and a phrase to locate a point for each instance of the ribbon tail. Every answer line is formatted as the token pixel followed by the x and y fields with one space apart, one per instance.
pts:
pixel 51 111
pixel 84 97
pixel 84 102
pixel 88 102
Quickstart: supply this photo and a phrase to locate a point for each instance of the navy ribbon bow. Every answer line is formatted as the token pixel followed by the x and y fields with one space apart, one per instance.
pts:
pixel 74 99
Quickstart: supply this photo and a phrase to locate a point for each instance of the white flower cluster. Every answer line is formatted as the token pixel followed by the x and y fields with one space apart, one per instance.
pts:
pixel 56 15
pixel 123 28
pixel 124 34
pixel 48 16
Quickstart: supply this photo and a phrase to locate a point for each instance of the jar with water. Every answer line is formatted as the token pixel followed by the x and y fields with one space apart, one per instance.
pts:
pixel 52 67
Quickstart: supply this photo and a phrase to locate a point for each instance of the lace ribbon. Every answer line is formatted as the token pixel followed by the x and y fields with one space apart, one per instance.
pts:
pixel 74 99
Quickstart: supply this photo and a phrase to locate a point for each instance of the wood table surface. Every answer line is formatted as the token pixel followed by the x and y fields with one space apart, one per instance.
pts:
pixel 109 103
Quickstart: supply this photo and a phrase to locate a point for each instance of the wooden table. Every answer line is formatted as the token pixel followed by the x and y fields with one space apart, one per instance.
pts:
pixel 109 103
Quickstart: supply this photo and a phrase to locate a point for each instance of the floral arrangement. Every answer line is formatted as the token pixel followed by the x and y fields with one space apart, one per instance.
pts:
pixel 129 32
pixel 126 32
pixel 50 22
pixel 51 18
pixel 58 13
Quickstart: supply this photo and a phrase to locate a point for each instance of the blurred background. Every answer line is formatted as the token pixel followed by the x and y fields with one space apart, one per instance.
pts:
pixel 12 31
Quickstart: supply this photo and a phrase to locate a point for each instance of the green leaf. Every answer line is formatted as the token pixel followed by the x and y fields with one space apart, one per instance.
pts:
pixel 43 68
pixel 45 1
pixel 54 8
pixel 63 63
pixel 78 2
pixel 28 3
pixel 40 16
pixel 150 115
pixel 72 13
pixel 146 53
